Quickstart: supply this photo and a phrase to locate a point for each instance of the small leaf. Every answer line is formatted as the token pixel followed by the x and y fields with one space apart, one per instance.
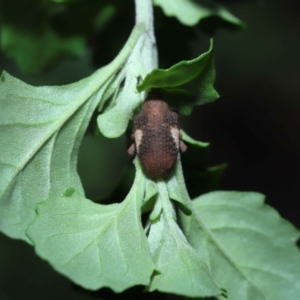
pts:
pixel 182 270
pixel 113 122
pixel 251 250
pixel 150 190
pixel 177 190
pixel 150 194
pixel 197 153
pixel 189 12
pixel 95 245
pixel 35 52
pixel 192 141
pixel 156 212
pixel 199 71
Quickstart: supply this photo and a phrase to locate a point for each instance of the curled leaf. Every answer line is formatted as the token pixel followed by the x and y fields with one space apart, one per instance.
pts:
pixel 198 75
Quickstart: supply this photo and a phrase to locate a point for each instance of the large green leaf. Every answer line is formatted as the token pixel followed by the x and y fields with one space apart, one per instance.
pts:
pixel 198 75
pixel 189 12
pixel 95 245
pixel 41 130
pixel 250 249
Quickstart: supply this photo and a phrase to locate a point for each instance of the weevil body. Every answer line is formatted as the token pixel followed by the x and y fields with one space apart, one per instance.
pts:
pixel 156 136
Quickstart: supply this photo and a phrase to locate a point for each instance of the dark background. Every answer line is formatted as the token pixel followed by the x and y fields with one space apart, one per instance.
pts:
pixel 254 126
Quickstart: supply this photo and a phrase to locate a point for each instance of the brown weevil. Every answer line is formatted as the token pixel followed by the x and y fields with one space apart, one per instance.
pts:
pixel 156 136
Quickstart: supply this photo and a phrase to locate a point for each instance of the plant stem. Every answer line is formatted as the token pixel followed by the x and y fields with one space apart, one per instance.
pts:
pixel 144 16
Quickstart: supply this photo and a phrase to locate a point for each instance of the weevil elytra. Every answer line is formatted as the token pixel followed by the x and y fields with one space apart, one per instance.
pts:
pixel 156 136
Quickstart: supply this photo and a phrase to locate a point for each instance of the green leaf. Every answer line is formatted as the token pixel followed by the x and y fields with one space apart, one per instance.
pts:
pixel 177 189
pixel 197 153
pixel 189 12
pixel 41 130
pixel 150 196
pixel 192 141
pixel 95 245
pixel 251 250
pixel 198 74
pixel 113 122
pixel 182 270
pixel 35 52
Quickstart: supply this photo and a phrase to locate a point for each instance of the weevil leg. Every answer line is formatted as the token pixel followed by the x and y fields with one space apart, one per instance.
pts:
pixel 182 146
pixel 131 150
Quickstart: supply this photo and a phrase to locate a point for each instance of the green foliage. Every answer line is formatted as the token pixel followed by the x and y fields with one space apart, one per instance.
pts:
pixel 199 73
pixel 95 245
pixel 190 12
pixel 39 203
pixel 39 144
pixel 35 52
pixel 221 241
pixel 33 145
pixel 182 271
pixel 249 247
pixel 113 122
pixel 40 34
